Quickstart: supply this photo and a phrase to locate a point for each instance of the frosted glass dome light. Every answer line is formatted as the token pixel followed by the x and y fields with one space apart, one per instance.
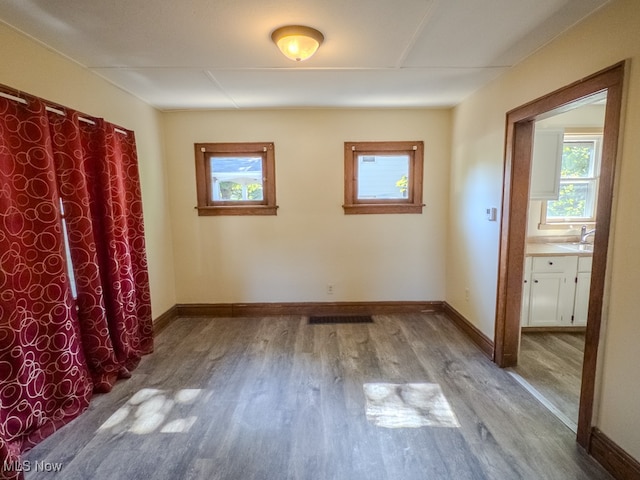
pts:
pixel 297 42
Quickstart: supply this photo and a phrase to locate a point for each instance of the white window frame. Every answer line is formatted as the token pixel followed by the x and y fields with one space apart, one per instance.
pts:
pixel 569 222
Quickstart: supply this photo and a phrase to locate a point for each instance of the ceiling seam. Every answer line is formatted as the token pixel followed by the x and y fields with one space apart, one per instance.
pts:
pixel 417 32
pixel 215 81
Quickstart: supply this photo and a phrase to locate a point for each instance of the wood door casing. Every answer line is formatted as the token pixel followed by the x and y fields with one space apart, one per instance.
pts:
pixel 518 150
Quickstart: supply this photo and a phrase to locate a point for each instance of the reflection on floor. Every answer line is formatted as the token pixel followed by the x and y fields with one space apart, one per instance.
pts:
pixel 408 405
pixel 551 363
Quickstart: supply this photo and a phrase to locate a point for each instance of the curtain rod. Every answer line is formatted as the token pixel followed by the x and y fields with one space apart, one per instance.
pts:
pixel 60 111
pixel 64 114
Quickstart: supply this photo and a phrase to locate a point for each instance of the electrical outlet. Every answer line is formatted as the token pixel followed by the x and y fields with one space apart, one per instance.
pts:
pixel 330 288
pixel 466 294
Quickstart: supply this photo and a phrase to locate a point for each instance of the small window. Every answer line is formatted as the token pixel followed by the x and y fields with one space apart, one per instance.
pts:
pixel 579 174
pixel 383 177
pixel 235 178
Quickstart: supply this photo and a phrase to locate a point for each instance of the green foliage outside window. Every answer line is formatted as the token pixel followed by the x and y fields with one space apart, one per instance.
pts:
pixel 233 191
pixel 571 202
pixel 403 185
pixel 576 160
pixel 577 163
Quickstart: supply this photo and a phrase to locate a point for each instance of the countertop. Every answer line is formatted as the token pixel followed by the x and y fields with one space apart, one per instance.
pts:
pixel 558 249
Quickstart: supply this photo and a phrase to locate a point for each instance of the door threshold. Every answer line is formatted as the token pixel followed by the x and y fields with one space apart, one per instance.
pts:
pixel 573 426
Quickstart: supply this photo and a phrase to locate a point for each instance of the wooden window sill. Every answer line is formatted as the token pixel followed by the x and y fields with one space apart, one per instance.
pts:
pixel 356 209
pixel 237 210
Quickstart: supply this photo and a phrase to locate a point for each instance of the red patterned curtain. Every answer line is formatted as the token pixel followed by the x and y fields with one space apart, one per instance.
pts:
pixel 44 376
pixel 54 350
pixel 100 191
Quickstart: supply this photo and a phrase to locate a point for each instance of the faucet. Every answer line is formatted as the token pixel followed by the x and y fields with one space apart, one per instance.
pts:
pixel 584 234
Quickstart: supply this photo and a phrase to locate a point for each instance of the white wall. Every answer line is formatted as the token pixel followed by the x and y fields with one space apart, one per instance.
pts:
pixel 30 67
pixel 291 257
pixel 607 37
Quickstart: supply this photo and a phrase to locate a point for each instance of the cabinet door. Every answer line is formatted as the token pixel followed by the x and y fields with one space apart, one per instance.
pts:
pixel 581 306
pixel 546 163
pixel 551 299
pixel 526 293
pixel 545 301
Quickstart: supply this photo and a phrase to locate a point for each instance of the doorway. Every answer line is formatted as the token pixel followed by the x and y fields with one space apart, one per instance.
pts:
pixel 516 185
pixel 561 221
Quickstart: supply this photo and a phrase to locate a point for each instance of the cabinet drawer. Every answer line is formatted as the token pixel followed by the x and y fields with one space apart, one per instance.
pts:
pixel 584 264
pixel 554 264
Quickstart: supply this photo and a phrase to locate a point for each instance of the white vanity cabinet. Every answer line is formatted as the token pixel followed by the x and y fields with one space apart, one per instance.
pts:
pixel 555 292
pixel 552 291
pixel 546 163
pixel 583 284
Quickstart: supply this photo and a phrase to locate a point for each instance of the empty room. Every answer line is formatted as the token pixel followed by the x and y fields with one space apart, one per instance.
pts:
pixel 319 240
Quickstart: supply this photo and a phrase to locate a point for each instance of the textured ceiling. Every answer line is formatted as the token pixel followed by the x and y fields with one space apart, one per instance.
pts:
pixel 192 54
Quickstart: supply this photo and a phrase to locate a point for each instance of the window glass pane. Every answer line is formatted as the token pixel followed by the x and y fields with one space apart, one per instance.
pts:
pixel 576 200
pixel 383 176
pixel 67 250
pixel 236 178
pixel 578 159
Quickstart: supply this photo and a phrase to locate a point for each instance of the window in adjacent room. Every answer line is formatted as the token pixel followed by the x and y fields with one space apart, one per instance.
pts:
pixel 235 178
pixel 383 177
pixel 580 169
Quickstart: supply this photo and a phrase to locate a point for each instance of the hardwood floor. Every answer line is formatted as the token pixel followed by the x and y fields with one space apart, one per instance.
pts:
pixel 276 398
pixel 552 364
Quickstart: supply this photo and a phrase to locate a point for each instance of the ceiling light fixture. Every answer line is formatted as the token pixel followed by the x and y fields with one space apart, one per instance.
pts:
pixel 297 42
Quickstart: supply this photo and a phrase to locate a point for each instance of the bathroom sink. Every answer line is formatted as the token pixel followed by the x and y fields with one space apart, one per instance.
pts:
pixel 577 247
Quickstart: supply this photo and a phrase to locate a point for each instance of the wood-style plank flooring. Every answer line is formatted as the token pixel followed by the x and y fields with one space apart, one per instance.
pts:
pixel 276 398
pixel 551 362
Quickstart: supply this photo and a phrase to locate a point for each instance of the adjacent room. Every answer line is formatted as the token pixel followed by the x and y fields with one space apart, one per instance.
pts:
pixel 319 239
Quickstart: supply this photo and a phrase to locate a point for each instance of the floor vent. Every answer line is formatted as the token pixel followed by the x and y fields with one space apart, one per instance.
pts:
pixel 333 319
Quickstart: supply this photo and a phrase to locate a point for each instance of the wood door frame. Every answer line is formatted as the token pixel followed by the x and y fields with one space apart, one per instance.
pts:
pixel 517 166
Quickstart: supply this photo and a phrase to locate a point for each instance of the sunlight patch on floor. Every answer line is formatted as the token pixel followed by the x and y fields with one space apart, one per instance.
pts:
pixel 181 425
pixel 150 410
pixel 408 405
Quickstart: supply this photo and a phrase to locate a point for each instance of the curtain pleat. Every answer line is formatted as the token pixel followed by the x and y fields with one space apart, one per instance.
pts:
pixel 114 201
pixel 74 183
pixel 54 350
pixel 125 231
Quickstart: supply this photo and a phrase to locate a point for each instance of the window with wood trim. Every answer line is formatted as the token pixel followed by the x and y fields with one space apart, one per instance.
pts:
pixel 383 177
pixel 579 177
pixel 235 178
